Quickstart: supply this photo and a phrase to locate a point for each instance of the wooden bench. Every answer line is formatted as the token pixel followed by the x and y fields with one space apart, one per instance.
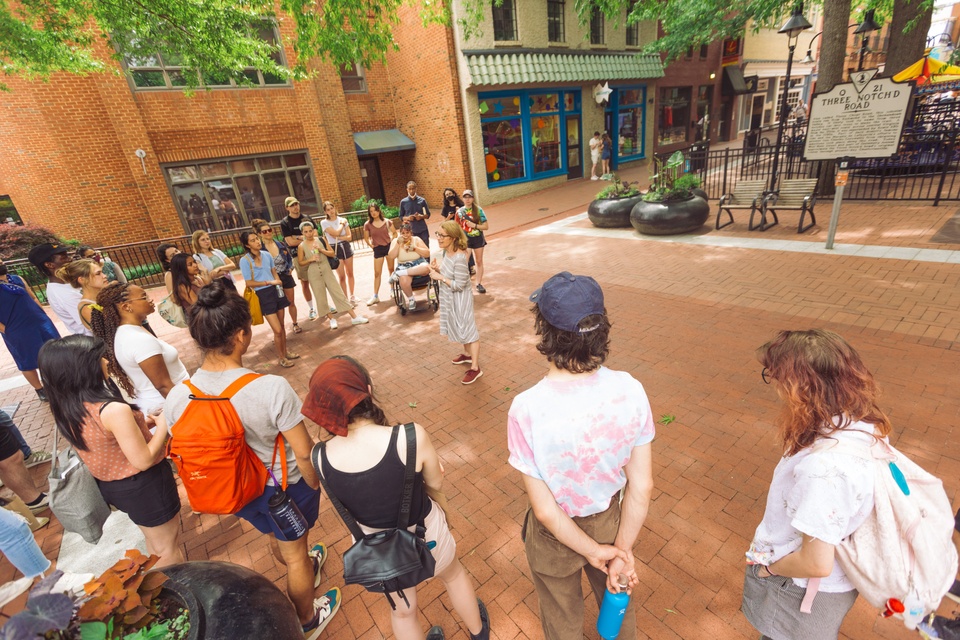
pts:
pixel 798 194
pixel 747 194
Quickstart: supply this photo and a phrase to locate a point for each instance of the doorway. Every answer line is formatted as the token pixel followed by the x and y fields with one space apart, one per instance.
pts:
pixel 574 154
pixel 372 182
pixel 756 111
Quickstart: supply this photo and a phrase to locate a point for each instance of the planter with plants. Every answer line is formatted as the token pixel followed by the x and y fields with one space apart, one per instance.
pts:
pixel 189 601
pixel 612 207
pixel 674 204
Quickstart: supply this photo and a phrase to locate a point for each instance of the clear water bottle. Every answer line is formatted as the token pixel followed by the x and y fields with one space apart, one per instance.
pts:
pixel 612 610
pixel 279 291
pixel 913 610
pixel 287 516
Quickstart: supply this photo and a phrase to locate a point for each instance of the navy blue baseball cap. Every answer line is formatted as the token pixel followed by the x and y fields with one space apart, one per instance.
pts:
pixel 566 299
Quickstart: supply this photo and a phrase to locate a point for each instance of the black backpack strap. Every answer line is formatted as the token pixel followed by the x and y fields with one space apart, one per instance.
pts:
pixel 410 468
pixel 320 450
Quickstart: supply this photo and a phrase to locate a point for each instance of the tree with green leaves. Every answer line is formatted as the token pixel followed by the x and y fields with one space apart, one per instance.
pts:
pixel 40 37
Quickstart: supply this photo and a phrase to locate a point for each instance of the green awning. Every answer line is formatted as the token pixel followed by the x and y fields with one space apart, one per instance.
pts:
pixel 383 141
pixel 491 69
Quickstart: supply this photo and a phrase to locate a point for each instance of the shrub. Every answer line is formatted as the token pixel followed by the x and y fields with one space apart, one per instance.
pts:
pixel 16 242
pixel 361 203
pixel 618 189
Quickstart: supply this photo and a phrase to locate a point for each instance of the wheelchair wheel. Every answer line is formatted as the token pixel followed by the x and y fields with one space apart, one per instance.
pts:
pixel 403 310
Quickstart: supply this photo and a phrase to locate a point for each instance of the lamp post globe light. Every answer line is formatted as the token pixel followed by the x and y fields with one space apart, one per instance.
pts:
pixel 792 29
pixel 868 25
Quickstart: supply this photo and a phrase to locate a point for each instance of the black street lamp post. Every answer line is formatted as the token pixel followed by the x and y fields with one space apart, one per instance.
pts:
pixel 868 25
pixel 792 29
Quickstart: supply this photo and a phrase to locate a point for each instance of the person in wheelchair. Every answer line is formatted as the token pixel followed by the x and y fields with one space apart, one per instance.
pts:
pixel 411 256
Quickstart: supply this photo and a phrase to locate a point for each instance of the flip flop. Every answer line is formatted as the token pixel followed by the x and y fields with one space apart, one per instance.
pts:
pixel 286 364
pixel 296 328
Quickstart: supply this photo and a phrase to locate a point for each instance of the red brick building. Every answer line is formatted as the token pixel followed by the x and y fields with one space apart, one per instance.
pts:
pixel 126 155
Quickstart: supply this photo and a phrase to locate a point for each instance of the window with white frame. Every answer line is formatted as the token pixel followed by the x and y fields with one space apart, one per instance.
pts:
pixel 352 78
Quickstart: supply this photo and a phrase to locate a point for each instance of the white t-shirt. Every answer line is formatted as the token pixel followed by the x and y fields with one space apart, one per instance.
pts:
pixel 327 224
pixel 133 345
pixel 595 147
pixel 64 301
pixel 577 435
pixel 824 495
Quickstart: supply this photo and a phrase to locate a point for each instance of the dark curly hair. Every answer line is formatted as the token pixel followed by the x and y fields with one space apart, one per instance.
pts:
pixel 574 352
pixel 104 322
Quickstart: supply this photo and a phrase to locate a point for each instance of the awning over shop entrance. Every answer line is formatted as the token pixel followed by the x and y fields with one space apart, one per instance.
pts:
pixel 369 143
pixel 493 68
pixel 734 83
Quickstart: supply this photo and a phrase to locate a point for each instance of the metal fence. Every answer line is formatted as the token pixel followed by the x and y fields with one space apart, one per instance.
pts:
pixel 926 166
pixel 141 265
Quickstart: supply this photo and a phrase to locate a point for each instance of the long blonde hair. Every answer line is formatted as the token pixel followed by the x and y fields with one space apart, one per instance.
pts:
pixel 452 229
pixel 73 271
pixel 195 240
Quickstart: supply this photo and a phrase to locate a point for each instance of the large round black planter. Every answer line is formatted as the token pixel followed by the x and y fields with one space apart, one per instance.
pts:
pixel 669 218
pixel 227 602
pixel 612 213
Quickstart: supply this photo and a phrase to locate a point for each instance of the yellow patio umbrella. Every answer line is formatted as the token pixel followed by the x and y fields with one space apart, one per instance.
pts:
pixel 925 70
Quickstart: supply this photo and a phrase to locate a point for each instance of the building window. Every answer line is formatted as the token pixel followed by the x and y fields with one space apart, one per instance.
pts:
pixel 596 26
pixel 227 193
pixel 633 30
pixel 505 21
pixel 704 51
pixel 555 16
pixel 523 135
pixel 165 71
pixel 8 212
pixel 689 53
pixel 674 115
pixel 629 113
pixel 352 78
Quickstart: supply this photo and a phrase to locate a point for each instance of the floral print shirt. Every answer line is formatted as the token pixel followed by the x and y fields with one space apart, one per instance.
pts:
pixel 824 495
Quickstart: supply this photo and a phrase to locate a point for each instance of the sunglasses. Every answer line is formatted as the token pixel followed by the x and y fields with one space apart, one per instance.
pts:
pixel 766 376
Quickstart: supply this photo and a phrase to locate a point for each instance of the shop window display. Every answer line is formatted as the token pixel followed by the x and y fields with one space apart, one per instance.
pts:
pixel 674 116
pixel 503 150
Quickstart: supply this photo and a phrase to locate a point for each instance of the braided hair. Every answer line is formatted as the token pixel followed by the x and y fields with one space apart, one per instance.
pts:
pixel 104 322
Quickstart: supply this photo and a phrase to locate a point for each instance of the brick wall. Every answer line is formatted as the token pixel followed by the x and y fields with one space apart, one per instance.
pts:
pixel 69 144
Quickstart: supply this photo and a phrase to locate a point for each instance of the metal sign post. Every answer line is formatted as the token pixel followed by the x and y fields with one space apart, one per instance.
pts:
pixel 839 183
pixel 860 119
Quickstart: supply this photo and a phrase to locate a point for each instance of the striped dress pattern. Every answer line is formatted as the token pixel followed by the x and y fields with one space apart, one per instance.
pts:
pixel 456 301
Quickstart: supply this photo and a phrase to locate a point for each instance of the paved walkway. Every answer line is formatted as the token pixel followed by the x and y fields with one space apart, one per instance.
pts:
pixel 687 318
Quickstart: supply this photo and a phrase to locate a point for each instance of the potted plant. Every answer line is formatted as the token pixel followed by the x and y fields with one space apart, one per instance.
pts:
pixel 188 601
pixel 674 204
pixel 614 203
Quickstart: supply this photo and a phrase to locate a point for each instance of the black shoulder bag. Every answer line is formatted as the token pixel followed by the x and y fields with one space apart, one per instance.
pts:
pixel 389 560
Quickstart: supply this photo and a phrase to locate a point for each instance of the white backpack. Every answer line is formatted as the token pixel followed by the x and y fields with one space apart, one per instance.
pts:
pixel 905 545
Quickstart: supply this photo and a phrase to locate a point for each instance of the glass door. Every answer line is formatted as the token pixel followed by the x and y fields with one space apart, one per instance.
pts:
pixel 574 154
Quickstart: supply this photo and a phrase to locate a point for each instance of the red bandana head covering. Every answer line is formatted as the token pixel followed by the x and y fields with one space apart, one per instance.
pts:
pixel 336 387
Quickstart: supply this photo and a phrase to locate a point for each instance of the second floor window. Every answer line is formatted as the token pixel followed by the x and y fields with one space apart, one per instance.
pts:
pixel 352 79
pixel 596 27
pixel 505 21
pixel 633 30
pixel 165 71
pixel 555 15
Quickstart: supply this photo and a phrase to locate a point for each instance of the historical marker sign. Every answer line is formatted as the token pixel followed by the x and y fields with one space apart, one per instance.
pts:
pixel 859 119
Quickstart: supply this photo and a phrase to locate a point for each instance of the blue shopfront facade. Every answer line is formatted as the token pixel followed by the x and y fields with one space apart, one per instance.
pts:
pixel 626 119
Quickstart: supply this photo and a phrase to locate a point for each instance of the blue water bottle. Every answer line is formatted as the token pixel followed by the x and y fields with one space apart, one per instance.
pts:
pixel 612 610
pixel 287 516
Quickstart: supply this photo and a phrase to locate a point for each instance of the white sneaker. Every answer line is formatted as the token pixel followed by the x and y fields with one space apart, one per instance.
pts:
pixel 333 324
pixel 312 315
pixel 412 304
pixel 594 177
pixel 353 300
pixel 359 320
pixel 394 278
pixel 333 309
pixel 374 300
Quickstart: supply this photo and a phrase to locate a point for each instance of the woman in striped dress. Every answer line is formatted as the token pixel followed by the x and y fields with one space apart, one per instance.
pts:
pixel 457 321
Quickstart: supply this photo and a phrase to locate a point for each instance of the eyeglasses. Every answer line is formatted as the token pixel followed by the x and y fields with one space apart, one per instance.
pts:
pixel 441 235
pixel 766 376
pixel 266 230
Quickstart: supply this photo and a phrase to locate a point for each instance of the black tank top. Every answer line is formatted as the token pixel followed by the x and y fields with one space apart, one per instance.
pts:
pixel 373 496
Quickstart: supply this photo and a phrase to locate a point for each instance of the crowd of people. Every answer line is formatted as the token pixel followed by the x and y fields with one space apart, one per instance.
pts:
pixel 581 437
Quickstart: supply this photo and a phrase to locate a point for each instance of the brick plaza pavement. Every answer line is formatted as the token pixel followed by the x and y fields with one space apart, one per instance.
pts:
pixel 686 322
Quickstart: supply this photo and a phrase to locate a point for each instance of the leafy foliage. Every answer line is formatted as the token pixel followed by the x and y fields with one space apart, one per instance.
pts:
pixel 45 612
pixel 361 204
pixel 40 37
pixel 16 242
pixel 619 189
pixel 669 181
pixel 124 594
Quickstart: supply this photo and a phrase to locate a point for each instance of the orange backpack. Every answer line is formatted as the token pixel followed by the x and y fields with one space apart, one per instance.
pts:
pixel 219 470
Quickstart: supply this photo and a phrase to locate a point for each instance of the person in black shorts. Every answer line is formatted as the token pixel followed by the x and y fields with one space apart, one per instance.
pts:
pixel 378 232
pixel 13 469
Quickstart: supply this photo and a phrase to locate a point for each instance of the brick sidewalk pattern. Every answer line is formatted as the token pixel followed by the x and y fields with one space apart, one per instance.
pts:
pixel 686 322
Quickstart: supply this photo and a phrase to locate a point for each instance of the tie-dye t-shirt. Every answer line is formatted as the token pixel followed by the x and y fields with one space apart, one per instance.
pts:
pixel 577 435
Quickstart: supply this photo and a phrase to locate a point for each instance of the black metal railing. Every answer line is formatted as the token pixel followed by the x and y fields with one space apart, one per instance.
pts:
pixel 926 166
pixel 141 265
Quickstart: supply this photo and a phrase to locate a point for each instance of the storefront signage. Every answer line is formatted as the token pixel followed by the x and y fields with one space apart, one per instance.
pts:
pixel 731 52
pixel 601 93
pixel 859 119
